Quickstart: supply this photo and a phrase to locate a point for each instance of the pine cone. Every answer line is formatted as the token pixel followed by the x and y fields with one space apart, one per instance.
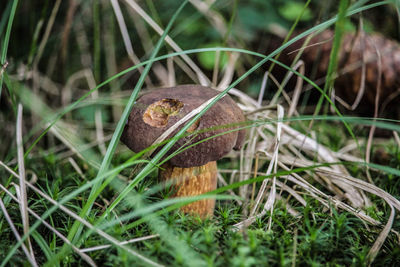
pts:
pixel 348 83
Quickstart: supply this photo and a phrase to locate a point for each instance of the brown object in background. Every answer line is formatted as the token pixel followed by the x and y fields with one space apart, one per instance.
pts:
pixel 193 169
pixel 355 49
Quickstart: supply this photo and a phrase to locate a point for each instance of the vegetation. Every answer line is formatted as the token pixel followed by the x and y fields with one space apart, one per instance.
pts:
pixel 315 183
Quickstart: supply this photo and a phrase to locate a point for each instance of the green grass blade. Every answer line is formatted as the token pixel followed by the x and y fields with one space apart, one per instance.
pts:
pixel 334 56
pixel 97 41
pixel 43 245
pixel 76 228
pixel 6 41
pixel 4 16
pixel 291 30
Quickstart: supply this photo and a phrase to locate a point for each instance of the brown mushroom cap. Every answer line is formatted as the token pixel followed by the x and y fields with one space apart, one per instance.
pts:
pixel 158 110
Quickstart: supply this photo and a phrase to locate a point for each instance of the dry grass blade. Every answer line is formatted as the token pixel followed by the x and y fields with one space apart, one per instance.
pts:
pixel 376 111
pixel 97 115
pixel 69 19
pixel 357 183
pixel 262 89
pixel 124 32
pixel 66 92
pixel 381 238
pixel 269 205
pixel 76 167
pixel 222 181
pixel 46 35
pixel 249 103
pixel 299 66
pixel 216 68
pixel 246 159
pixel 298 88
pixel 51 228
pixel 397 138
pixel 361 90
pixel 393 202
pixel 82 175
pixel 200 75
pixel 326 199
pixel 292 192
pixel 215 18
pixel 272 194
pixel 253 190
pixel 306 143
pixel 3 68
pixel 229 71
pixel 111 65
pixel 125 37
pixel 8 169
pixel 122 243
pixel 14 230
pixel 171 72
pixel 272 166
pixel 69 137
pixel 288 207
pixel 23 203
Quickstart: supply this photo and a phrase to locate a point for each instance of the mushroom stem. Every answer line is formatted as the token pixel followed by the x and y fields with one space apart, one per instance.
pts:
pixel 193 181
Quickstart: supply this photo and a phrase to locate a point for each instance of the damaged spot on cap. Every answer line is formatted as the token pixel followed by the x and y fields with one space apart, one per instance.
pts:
pixel 158 113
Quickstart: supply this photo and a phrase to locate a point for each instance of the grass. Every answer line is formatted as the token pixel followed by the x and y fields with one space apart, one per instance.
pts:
pixel 69 195
pixel 322 234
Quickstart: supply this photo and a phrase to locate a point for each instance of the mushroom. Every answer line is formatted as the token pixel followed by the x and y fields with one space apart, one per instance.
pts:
pixel 194 170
